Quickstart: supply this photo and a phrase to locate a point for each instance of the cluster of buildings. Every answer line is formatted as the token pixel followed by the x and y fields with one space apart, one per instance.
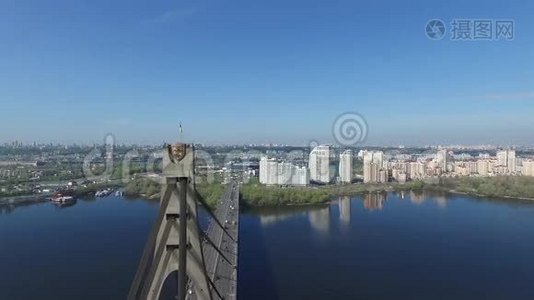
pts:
pixel 326 165
pixel 323 168
pixel 443 163
pixel 273 172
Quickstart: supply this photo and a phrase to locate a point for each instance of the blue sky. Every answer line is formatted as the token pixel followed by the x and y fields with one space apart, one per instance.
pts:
pixel 277 71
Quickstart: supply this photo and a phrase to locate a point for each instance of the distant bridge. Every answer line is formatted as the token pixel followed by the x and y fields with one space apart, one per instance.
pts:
pixel 206 261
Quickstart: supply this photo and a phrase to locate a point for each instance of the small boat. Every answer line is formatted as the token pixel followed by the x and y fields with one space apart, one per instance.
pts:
pixel 103 193
pixel 60 198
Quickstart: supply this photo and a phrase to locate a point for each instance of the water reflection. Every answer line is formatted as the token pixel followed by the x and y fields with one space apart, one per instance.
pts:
pixel 441 200
pixel 320 219
pixel 319 216
pixel 8 208
pixel 344 210
pixel 376 249
pixel 275 214
pixel 275 218
pixel 374 200
pixel 417 197
pixel 61 205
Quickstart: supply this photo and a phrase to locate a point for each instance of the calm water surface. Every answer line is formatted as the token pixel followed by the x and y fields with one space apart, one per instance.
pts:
pixel 377 246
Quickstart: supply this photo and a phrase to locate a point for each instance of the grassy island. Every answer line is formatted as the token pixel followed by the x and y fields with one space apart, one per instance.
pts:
pixel 520 187
pixel 255 194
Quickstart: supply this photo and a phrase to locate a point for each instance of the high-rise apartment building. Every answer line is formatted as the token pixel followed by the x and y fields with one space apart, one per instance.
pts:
pixel 528 168
pixel 319 164
pixel 345 166
pixel 502 158
pixel 506 158
pixel 511 162
pixel 483 167
pixel 417 170
pixel 442 158
pixel 373 163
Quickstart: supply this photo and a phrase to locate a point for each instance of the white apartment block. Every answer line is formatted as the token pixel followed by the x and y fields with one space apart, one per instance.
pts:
pixel 528 167
pixel 483 167
pixel 345 166
pixel 373 167
pixel 319 164
pixel 506 158
pixel 442 158
pixel 417 170
pixel 273 172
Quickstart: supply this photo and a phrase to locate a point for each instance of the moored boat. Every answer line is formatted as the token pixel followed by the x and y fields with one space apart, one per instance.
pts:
pixel 60 198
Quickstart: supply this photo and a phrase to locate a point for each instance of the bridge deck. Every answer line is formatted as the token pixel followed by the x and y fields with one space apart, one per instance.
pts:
pixel 223 270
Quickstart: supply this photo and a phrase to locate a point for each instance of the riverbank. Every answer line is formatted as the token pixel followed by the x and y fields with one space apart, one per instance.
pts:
pixel 255 194
pixel 455 192
pixel 506 187
pixel 23 200
pixel 88 191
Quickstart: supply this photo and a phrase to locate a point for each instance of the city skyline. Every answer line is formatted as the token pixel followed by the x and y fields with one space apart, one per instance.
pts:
pixel 281 149
pixel 240 72
pixel 311 144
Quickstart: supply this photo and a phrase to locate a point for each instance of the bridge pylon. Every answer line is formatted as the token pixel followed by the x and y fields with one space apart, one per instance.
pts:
pixel 175 241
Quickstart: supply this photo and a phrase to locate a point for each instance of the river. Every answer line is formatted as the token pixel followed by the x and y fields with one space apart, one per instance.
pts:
pixel 374 246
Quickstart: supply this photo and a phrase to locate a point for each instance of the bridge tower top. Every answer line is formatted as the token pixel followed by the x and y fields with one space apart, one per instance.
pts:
pixel 178 161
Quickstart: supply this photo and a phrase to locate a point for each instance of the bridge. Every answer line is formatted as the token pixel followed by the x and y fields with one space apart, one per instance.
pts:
pixel 205 261
pixel 221 258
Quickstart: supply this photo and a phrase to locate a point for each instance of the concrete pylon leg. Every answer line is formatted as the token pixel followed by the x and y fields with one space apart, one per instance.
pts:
pixel 177 245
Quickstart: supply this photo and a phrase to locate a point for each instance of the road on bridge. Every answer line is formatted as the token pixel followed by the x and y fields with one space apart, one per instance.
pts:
pixel 221 267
